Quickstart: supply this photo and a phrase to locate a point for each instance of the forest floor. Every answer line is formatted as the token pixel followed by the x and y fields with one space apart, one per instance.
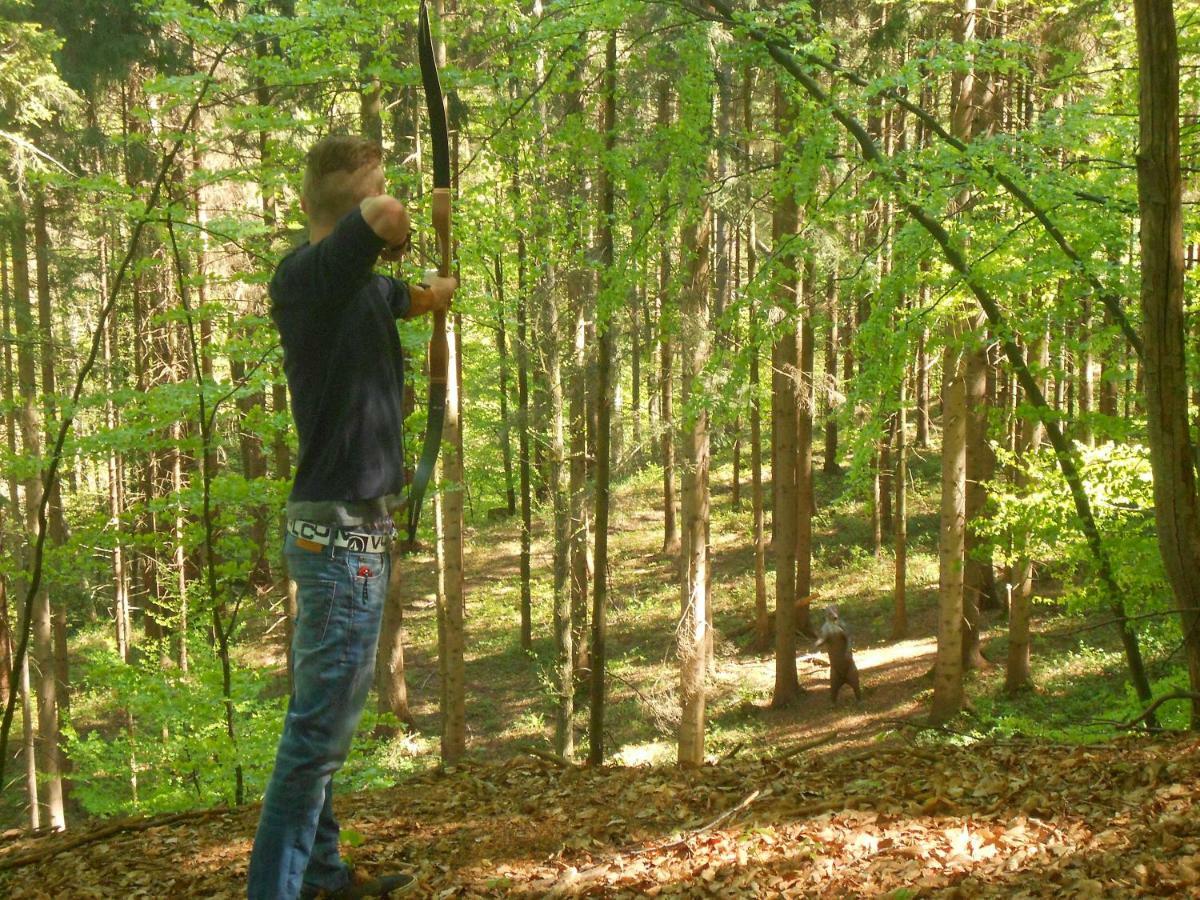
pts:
pixel 900 818
pixel 806 800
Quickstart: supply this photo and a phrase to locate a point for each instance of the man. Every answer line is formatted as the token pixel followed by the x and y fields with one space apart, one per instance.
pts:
pixel 345 371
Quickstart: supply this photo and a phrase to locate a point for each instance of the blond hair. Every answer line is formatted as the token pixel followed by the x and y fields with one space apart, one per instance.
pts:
pixel 330 189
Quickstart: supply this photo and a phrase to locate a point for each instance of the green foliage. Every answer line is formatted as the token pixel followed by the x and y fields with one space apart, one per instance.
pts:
pixel 150 738
pixel 165 730
pixel 1038 522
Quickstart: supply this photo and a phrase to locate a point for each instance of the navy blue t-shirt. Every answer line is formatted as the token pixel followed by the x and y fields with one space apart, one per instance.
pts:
pixel 344 365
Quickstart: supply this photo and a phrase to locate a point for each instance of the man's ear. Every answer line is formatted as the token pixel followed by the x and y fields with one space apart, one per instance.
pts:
pixel 304 204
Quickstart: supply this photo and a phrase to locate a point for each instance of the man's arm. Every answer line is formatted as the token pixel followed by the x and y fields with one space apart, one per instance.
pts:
pixel 388 218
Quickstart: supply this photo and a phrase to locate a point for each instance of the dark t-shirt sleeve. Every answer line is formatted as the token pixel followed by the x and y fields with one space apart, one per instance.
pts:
pixel 399 299
pixel 335 266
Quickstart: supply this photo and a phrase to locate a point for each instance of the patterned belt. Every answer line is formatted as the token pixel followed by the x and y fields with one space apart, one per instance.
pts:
pixel 314 535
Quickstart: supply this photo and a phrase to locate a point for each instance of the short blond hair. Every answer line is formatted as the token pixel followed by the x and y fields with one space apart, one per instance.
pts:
pixel 329 190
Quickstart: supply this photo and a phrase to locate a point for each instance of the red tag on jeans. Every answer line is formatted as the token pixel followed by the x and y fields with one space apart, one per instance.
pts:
pixel 364 572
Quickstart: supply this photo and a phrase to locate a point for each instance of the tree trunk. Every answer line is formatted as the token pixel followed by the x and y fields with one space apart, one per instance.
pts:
pixel 604 417
pixel 29 747
pixel 523 425
pixel 1086 372
pixel 899 595
pixel 115 463
pixel 31 442
pixel 637 300
pixel 1176 503
pixel 695 598
pixel 564 736
pixel 580 526
pixel 784 526
pixel 1019 673
pixel 978 578
pixel 948 669
pixel 391 688
pixel 510 492
pixel 830 466
pixel 452 598
pixel 666 328
pixel 762 621
pixel 804 454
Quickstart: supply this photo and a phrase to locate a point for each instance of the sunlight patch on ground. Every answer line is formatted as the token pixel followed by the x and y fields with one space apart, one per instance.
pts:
pixel 902 651
pixel 647 754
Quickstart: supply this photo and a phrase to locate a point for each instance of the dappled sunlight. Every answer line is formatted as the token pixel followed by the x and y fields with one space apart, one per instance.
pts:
pixel 650 753
pixel 994 819
pixel 899 652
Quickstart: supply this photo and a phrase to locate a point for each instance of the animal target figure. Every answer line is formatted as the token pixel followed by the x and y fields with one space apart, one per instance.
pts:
pixel 834 640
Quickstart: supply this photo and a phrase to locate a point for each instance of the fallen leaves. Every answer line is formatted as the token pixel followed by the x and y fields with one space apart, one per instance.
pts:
pixel 1000 820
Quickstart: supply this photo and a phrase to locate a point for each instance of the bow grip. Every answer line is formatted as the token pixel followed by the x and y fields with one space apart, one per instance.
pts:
pixel 441 225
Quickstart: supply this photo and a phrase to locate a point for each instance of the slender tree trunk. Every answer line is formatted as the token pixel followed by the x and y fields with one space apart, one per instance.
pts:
pixel 831 466
pixel 29 747
pixel 1160 196
pixel 1019 673
pixel 948 669
pixel 391 688
pixel 762 622
pixel 978 578
pixel 510 493
pixel 922 398
pixel 454 733
pixel 695 599
pixel 551 403
pixel 784 409
pixel 637 300
pixel 666 343
pixel 524 421
pixel 899 590
pixel 10 379
pixel 580 528
pixel 116 499
pixel 11 508
pixel 695 596
pixel 604 419
pixel 564 734
pixel 31 442
pixel 1086 380
pixel 804 454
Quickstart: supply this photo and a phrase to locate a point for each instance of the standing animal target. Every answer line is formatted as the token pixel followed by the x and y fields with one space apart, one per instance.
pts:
pixel 833 639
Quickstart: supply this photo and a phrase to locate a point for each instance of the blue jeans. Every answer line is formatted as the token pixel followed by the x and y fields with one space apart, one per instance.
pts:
pixel 340 597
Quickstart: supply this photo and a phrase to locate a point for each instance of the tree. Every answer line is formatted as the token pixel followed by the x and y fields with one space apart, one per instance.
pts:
pixel 1176 502
pixel 784 406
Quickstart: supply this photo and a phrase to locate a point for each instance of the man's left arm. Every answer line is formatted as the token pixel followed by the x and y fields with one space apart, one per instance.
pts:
pixel 418 299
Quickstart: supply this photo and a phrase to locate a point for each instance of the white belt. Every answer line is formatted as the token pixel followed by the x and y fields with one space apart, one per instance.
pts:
pixel 324 535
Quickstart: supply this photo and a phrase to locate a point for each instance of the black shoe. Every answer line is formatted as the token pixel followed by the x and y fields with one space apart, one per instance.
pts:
pixel 363 885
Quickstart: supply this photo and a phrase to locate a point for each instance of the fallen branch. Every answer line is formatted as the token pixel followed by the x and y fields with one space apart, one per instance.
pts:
pixel 571 882
pixel 703 829
pixel 1147 715
pixel 807 745
pixel 119 826
pixel 552 757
